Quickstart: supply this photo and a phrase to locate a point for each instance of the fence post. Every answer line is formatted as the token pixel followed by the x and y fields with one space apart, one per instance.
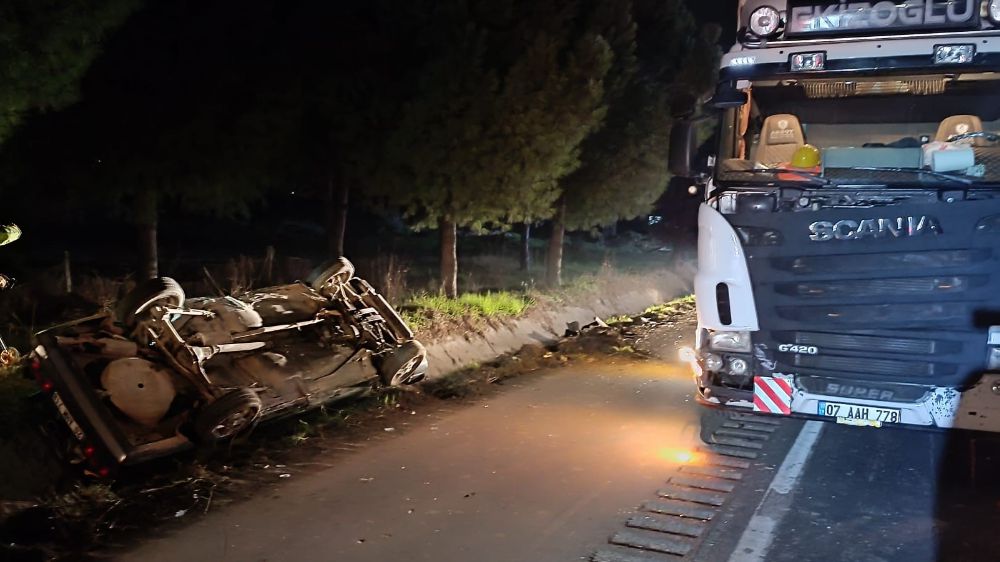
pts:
pixel 67 272
pixel 269 265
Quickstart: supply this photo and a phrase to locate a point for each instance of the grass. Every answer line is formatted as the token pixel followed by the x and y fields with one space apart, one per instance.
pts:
pixel 498 304
pixel 676 306
pixel 14 388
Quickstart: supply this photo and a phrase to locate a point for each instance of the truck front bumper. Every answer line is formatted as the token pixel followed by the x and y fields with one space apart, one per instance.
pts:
pixel 973 408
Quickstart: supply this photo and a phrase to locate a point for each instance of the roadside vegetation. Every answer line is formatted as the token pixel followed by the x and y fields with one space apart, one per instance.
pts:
pixel 14 390
pixel 675 307
pixel 500 304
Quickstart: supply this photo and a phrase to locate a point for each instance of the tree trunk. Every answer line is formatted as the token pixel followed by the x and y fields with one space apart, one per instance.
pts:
pixel 526 246
pixel 145 222
pixel 449 257
pixel 337 195
pixel 553 269
pixel 609 232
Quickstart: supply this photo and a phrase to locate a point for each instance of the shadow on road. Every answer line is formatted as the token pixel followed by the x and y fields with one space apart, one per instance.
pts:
pixel 967 506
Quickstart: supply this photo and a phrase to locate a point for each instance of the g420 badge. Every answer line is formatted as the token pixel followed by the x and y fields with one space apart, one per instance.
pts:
pixel 802 349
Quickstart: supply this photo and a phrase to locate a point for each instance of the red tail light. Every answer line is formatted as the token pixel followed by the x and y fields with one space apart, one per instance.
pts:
pixel 103 472
pixel 36 370
pixel 89 451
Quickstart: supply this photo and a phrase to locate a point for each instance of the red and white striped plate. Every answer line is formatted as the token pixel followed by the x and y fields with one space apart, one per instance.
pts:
pixel 772 395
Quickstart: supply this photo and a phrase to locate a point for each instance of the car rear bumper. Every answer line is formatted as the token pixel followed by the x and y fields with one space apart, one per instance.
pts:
pixel 90 422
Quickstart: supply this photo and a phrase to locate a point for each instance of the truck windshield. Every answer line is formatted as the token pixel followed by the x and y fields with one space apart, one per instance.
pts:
pixel 868 131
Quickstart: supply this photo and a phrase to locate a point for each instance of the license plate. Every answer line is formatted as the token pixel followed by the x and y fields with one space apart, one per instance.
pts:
pixel 67 417
pixel 858 414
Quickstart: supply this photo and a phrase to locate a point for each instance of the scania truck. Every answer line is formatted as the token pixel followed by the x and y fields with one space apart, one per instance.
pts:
pixel 862 288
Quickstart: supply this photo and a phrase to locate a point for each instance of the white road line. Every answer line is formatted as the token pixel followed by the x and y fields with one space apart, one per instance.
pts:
pixel 759 534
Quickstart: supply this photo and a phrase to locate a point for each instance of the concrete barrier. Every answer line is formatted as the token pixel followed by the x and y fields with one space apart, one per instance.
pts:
pixel 627 294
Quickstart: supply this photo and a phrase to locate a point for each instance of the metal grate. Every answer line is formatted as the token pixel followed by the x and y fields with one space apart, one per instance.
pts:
pixel 868 365
pixel 884 315
pixel 862 288
pixel 887 263
pixel 671 526
pixel 848 88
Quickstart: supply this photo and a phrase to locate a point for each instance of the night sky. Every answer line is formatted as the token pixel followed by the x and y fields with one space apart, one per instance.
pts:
pixel 722 12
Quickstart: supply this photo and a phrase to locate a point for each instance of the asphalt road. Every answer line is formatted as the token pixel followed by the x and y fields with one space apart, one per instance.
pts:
pixel 866 495
pixel 545 471
pixel 550 469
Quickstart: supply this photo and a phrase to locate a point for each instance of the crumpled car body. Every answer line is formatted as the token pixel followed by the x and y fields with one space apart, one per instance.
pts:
pixel 164 373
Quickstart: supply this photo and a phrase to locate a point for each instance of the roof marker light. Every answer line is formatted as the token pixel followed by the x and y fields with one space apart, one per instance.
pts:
pixel 808 61
pixel 954 54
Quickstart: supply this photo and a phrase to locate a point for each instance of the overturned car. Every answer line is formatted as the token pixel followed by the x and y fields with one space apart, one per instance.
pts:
pixel 164 372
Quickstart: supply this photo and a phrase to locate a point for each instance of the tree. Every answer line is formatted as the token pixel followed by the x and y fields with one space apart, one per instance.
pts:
pixel 46 46
pixel 626 170
pixel 171 115
pixel 612 20
pixel 350 66
pixel 485 144
pixel 658 73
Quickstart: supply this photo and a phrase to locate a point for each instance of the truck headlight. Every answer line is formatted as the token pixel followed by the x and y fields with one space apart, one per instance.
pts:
pixel 738 366
pixel 764 21
pixel 713 362
pixel 729 341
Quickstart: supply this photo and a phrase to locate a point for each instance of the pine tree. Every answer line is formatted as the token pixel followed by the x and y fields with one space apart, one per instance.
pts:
pixel 46 46
pixel 659 70
pixel 486 143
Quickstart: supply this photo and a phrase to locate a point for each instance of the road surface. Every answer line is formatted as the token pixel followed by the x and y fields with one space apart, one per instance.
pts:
pixel 591 462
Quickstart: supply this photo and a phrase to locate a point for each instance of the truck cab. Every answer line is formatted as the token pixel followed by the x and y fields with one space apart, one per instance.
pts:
pixel 864 288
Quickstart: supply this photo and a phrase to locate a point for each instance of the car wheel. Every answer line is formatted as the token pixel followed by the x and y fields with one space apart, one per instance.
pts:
pixel 331 274
pixel 158 290
pixel 400 366
pixel 228 416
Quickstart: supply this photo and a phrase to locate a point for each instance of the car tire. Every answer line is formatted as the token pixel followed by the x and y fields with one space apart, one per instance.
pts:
pixel 228 416
pixel 158 290
pixel 331 273
pixel 398 366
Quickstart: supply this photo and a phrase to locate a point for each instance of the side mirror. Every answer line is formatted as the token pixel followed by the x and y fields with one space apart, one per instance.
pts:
pixel 727 96
pixel 683 147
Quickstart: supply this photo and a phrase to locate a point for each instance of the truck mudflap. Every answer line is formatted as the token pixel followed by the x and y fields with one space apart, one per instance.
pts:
pixel 974 408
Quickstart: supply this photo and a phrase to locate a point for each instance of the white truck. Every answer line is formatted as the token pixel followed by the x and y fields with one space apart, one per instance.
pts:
pixel 863 288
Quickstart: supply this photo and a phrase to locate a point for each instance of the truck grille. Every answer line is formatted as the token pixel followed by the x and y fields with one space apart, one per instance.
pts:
pixel 896 309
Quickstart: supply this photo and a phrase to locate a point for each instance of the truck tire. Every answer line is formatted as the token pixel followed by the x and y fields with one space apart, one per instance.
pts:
pixel 158 290
pixel 331 273
pixel 398 366
pixel 228 416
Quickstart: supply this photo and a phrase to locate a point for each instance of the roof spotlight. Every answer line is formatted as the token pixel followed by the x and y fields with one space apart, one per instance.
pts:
pixel 765 21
